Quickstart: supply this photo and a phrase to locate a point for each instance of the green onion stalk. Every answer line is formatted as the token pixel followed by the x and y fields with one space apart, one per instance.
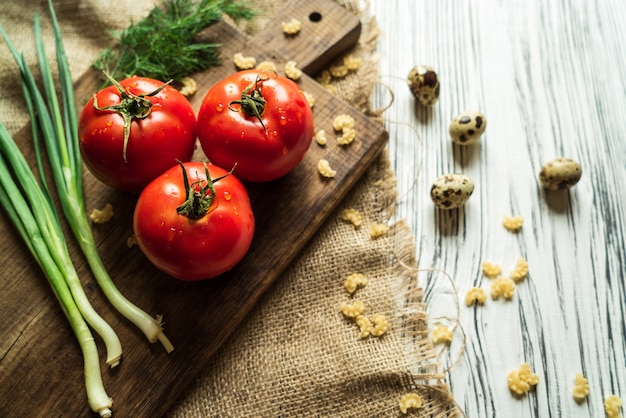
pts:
pixel 30 209
pixel 60 134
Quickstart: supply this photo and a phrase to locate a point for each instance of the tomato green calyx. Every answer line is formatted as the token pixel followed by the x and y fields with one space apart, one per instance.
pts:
pixel 252 102
pixel 130 107
pixel 198 198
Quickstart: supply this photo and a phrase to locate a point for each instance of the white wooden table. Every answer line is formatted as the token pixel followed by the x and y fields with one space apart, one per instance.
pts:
pixel 550 77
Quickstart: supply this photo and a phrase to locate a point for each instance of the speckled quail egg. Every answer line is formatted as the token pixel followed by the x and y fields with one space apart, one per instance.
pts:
pixel 560 173
pixel 451 191
pixel 424 84
pixel 466 128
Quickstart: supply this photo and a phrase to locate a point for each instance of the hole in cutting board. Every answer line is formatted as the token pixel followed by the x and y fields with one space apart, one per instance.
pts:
pixel 315 17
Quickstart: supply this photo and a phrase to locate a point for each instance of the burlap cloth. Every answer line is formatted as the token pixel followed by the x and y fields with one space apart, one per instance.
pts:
pixel 295 355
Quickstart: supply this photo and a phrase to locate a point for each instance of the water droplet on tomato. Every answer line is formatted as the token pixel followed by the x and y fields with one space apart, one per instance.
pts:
pixel 227 196
pixel 282 121
pixel 109 123
pixel 219 107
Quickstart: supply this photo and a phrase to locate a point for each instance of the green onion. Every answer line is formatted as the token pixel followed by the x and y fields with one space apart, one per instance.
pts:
pixel 60 134
pixel 31 211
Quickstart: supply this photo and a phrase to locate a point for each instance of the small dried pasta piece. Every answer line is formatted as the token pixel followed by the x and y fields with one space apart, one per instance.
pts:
pixel 309 98
pixel 612 405
pixel 522 379
pixel 292 27
pixel 320 137
pixel 513 223
pixel 323 167
pixel 131 241
pixel 581 387
pixel 378 230
pixel 331 89
pixel 520 271
pixel 353 281
pixel 364 324
pixel 338 71
pixel 502 286
pixel 343 121
pixel 353 216
pixel 353 310
pixel 189 86
pixel 347 137
pixel 380 325
pixel 441 334
pixel 324 77
pixel 410 401
pixel 292 71
pixel 475 295
pixel 490 269
pixel 266 66
pixel 100 216
pixel 351 62
pixel 242 62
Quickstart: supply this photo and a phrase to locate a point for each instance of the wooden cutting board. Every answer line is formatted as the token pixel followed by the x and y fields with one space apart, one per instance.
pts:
pixel 40 360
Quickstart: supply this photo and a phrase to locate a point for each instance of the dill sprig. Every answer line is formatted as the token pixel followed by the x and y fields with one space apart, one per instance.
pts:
pixel 163 46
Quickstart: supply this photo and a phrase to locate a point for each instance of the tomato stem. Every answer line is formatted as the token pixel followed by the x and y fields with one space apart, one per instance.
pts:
pixel 198 198
pixel 252 102
pixel 130 107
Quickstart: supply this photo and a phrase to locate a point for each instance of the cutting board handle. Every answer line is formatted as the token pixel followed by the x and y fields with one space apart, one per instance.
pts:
pixel 327 31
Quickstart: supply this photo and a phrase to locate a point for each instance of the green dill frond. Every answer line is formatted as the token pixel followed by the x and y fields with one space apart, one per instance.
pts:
pixel 162 45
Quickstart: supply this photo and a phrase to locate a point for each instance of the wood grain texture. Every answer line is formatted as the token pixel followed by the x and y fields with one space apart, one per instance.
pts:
pixel 550 77
pixel 40 362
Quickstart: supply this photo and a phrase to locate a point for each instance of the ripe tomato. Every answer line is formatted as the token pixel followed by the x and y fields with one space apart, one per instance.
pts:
pixel 258 120
pixel 190 228
pixel 161 129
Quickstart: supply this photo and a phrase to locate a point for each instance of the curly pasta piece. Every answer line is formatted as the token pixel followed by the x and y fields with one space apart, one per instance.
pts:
pixel 353 281
pixel 490 269
pixel 612 405
pixel 441 334
pixel 324 168
pixel 378 230
pixel 410 401
pixel 502 286
pixel 353 216
pixel 343 121
pixel 309 98
pixel 292 27
pixel 475 295
pixel 364 324
pixel 324 77
pixel 338 71
pixel 266 66
pixel 320 137
pixel 100 216
pixel 520 271
pixel 380 325
pixel 353 310
pixel 347 136
pixel 513 223
pixel 351 62
pixel 292 71
pixel 521 380
pixel 242 62
pixel 189 86
pixel 581 387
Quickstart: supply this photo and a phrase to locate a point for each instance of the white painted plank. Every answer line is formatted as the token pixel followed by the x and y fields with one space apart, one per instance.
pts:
pixel 550 77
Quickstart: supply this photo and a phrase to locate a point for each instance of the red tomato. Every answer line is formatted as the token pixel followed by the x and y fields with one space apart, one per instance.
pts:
pixel 198 235
pixel 162 130
pixel 258 120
